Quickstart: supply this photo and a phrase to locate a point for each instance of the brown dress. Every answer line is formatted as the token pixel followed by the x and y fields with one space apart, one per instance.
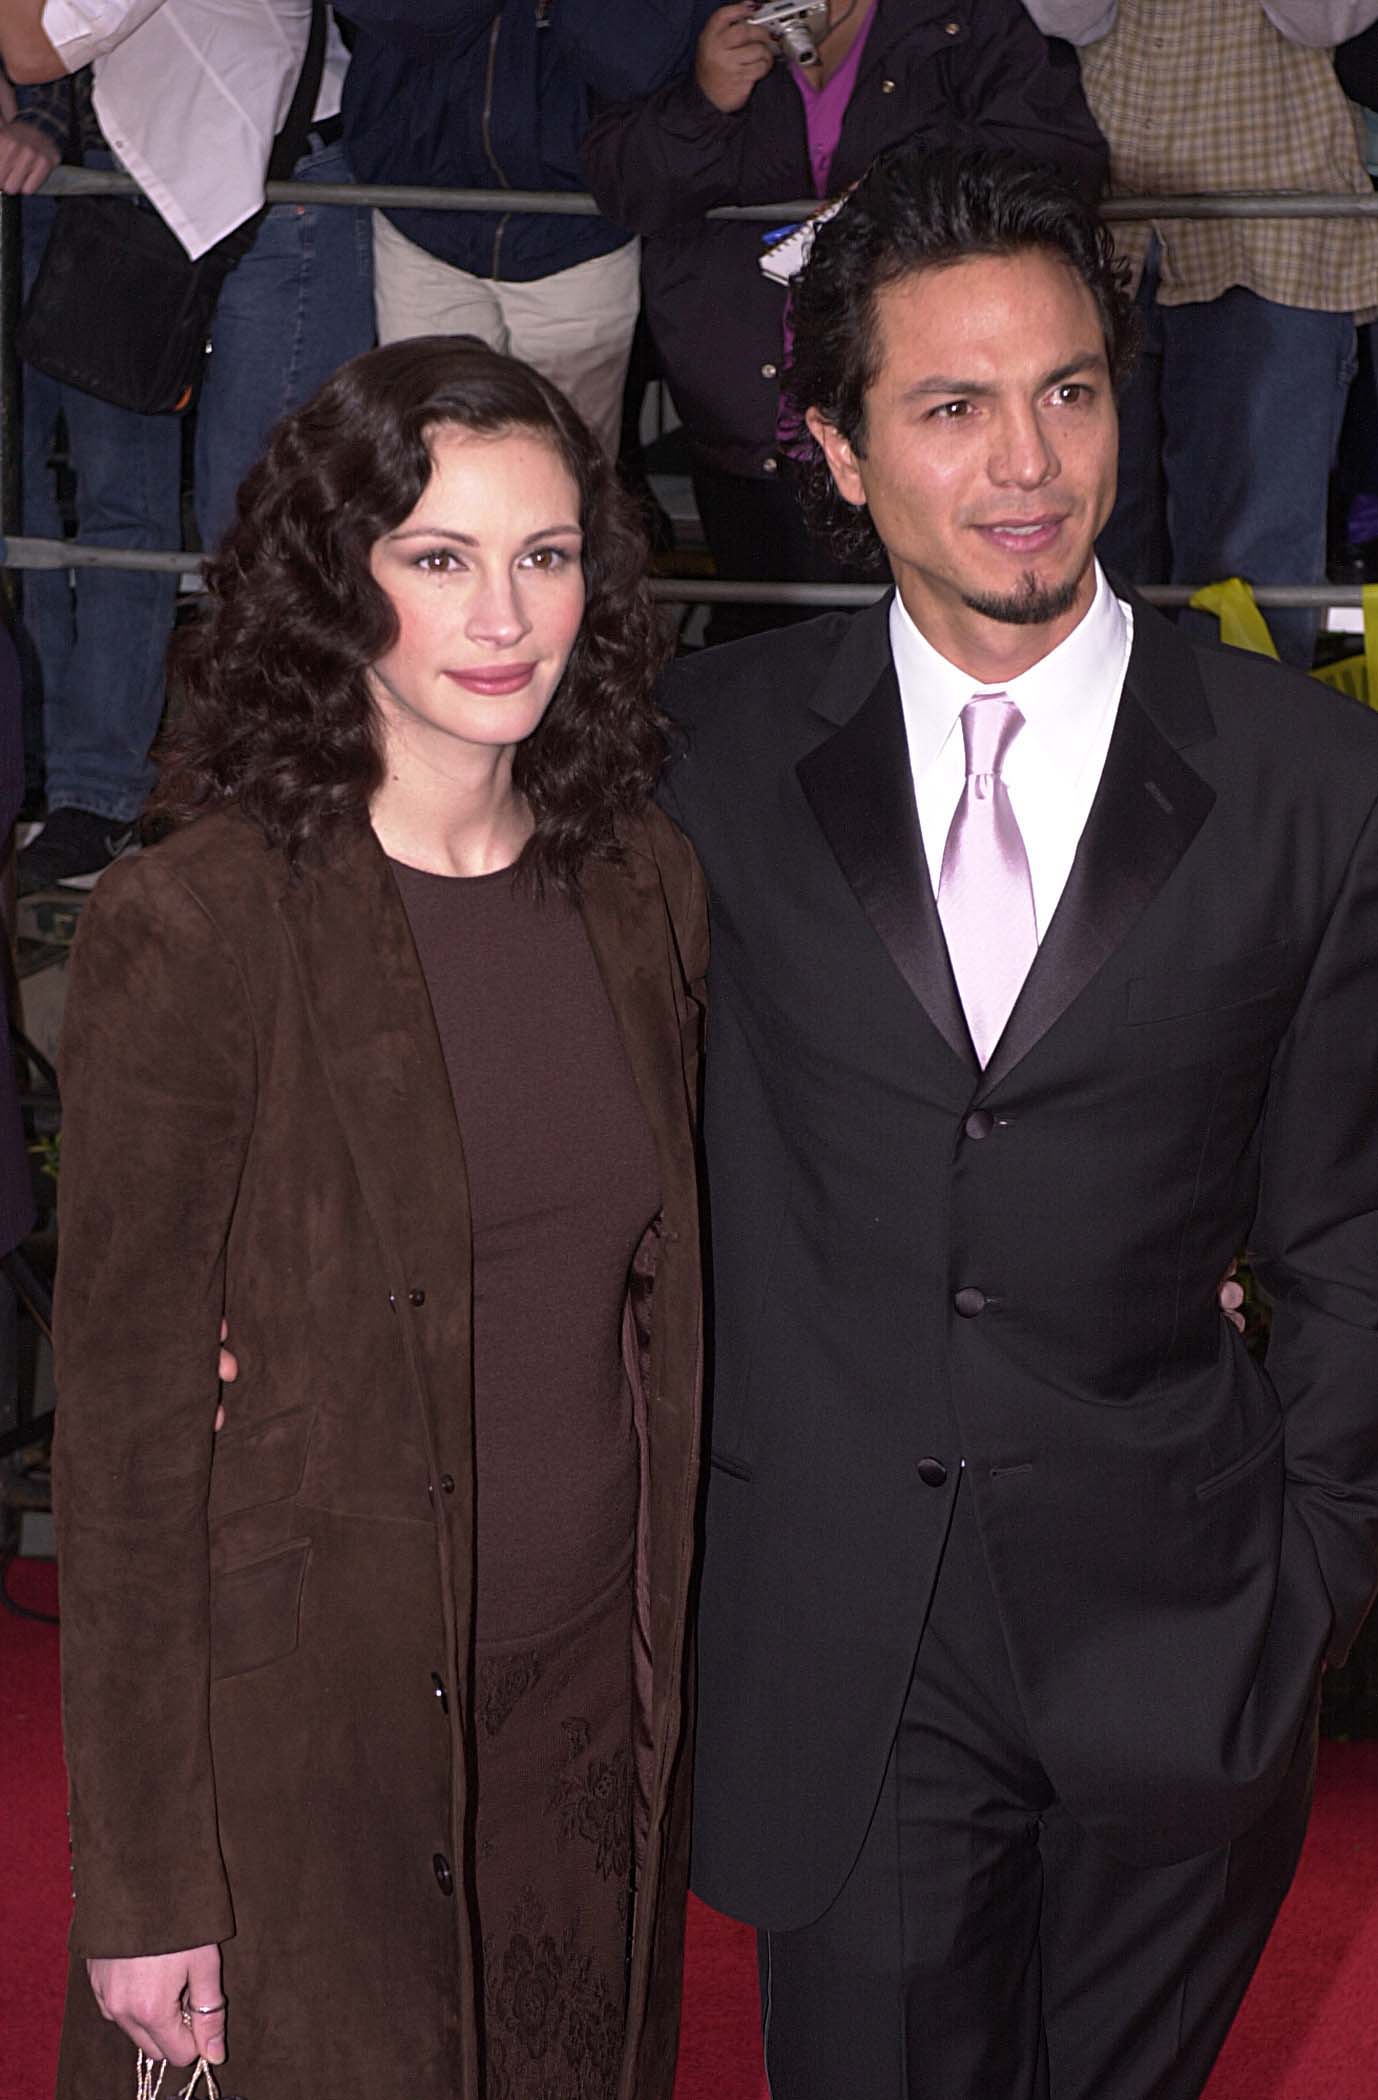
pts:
pixel 562 1184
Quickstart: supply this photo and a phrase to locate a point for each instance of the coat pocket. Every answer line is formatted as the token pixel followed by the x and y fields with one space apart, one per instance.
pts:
pixel 1213 990
pixel 256 1610
pixel 259 1463
pixel 1241 1468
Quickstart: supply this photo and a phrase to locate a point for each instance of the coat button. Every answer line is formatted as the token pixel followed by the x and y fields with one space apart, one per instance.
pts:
pixel 769 371
pixel 979 1124
pixel 438 1688
pixel 932 1472
pixel 953 28
pixel 887 87
pixel 968 1302
pixel 445 1880
pixel 770 466
pixel 447 1480
pixel 417 1297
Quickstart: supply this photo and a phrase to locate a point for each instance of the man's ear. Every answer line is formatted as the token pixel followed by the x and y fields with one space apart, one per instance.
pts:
pixel 841 459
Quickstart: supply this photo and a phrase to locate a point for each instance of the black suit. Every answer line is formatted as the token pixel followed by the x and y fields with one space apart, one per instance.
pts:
pixel 920 1265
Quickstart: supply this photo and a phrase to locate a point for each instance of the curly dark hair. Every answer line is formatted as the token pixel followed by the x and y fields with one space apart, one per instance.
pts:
pixel 271 704
pixel 917 210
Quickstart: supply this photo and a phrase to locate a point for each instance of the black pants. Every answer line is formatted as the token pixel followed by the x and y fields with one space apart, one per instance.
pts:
pixel 756 534
pixel 985 1948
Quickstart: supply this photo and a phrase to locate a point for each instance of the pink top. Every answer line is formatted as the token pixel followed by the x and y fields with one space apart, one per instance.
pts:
pixel 824 110
pixel 825 107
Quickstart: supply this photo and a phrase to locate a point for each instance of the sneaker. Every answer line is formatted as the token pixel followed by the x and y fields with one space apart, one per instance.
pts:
pixel 73 849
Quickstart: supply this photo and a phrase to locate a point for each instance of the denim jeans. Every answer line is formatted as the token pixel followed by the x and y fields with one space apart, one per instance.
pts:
pixel 1228 431
pixel 94 639
pixel 299 304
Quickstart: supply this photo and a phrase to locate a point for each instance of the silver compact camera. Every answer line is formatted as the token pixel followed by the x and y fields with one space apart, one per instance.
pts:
pixel 787 22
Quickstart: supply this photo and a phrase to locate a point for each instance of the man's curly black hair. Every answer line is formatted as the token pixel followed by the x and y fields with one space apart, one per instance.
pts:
pixel 917 210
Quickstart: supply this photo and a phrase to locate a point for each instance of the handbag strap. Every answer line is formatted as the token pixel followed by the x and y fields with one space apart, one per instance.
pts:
pixel 290 142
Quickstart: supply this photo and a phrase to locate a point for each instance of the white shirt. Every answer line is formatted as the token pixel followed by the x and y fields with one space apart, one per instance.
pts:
pixel 1069 701
pixel 192 93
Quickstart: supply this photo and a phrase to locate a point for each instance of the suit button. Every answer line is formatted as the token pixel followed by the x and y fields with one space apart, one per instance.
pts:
pixel 445 1880
pixel 969 1303
pixel 769 371
pixel 438 1688
pixel 979 1123
pixel 447 1480
pixel 417 1297
pixel 770 466
pixel 932 1472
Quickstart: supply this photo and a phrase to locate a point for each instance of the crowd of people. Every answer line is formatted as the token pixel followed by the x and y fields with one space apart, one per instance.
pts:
pixel 460 1543
pixel 666 109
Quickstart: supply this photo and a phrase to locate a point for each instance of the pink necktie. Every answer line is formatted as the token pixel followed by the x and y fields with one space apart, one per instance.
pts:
pixel 985 896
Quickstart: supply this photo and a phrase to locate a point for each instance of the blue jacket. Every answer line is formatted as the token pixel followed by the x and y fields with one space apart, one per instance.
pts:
pixel 494 94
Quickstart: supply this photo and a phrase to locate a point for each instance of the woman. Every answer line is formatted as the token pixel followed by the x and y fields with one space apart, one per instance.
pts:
pixel 375 1703
pixel 746 126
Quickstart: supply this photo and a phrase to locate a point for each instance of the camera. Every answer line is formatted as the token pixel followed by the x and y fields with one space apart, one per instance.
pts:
pixel 787 22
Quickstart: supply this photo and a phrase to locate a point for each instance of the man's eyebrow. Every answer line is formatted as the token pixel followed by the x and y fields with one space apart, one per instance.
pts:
pixel 949 383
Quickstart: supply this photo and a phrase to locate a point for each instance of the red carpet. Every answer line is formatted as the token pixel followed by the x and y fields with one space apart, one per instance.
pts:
pixel 1308 2031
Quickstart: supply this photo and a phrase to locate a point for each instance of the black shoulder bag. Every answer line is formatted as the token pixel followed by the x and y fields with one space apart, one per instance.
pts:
pixel 118 308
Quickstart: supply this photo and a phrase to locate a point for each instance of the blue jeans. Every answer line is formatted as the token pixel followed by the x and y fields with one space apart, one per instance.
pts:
pixel 96 637
pixel 299 304
pixel 1228 431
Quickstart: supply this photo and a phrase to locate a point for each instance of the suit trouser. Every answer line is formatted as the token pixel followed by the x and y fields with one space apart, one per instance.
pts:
pixel 984 1947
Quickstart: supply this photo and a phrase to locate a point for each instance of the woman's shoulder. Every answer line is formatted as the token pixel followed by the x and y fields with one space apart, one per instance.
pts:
pixel 219 865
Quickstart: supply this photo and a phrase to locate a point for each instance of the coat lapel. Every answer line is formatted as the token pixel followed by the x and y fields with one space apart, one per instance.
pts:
pixel 859 785
pixel 1148 809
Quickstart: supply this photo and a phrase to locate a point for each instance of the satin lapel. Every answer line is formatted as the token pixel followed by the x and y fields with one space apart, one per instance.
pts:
pixel 376 1036
pixel 626 919
pixel 1148 809
pixel 861 790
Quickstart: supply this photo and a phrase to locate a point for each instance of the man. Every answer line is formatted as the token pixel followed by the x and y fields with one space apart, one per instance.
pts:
pixel 1230 425
pixel 1042 982
pixel 197 102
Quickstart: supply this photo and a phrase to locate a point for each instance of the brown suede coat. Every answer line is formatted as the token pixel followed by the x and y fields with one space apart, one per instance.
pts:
pixel 255 1626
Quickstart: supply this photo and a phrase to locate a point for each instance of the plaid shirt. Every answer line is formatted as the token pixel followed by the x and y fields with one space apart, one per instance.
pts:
pixel 62 111
pixel 1202 95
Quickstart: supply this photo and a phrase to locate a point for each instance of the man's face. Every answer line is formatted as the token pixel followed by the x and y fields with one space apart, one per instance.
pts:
pixel 990 446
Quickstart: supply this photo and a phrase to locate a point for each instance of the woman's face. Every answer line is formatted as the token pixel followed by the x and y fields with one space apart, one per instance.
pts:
pixel 486 581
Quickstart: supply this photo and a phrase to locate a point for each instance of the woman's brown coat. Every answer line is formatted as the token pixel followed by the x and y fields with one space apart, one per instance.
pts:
pixel 267 1636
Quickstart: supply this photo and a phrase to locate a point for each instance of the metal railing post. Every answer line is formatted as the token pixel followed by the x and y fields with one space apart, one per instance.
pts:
pixel 10 423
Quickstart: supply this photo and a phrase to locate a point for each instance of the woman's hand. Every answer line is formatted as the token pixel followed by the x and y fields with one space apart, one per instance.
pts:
pixel 27 159
pixel 170 2005
pixel 732 57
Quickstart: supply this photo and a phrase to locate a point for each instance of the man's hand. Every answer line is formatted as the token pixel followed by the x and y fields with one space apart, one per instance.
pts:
pixel 732 57
pixel 27 159
pixel 227 1371
pixel 1231 1296
pixel 170 2005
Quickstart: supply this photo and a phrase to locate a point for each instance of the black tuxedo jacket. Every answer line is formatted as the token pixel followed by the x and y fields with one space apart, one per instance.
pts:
pixel 919 1265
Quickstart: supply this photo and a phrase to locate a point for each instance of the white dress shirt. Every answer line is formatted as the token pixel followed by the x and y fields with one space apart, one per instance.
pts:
pixel 192 93
pixel 1069 701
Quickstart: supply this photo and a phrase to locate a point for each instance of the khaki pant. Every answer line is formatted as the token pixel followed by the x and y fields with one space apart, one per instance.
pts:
pixel 574 326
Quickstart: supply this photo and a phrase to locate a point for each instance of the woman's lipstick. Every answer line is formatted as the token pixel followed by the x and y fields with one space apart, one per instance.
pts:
pixel 503 678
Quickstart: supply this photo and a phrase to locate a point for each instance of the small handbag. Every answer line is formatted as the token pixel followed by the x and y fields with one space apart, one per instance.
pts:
pixel 118 308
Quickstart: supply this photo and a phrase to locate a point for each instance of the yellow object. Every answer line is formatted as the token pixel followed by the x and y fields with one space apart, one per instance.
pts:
pixel 1243 626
